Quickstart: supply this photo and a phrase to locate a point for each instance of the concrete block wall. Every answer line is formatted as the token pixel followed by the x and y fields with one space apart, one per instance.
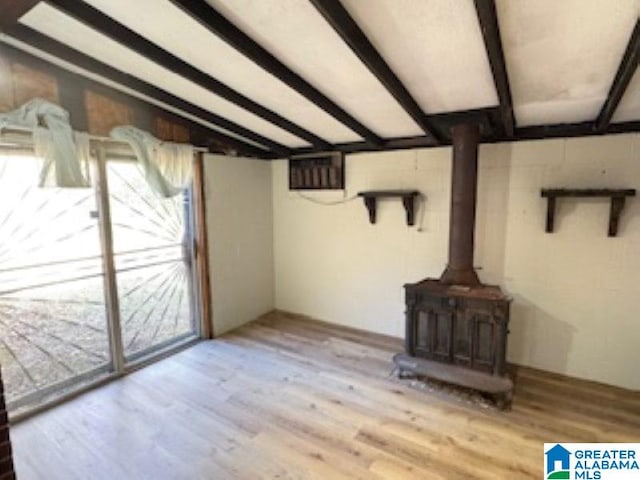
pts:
pixel 575 291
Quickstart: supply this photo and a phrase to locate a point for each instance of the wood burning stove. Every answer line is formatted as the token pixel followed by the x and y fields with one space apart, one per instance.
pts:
pixel 460 327
pixel 456 327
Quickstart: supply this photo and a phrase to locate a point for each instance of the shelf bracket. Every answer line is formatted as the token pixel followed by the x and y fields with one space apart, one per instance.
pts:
pixel 372 204
pixel 617 197
pixel 551 214
pixel 408 201
pixel 617 204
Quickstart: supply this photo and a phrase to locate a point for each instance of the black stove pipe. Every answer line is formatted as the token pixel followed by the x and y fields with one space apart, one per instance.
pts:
pixel 464 183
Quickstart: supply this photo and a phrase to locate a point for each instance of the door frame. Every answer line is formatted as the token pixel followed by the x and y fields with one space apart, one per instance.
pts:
pixel 201 248
pixel 201 286
pixel 106 237
pixel 121 363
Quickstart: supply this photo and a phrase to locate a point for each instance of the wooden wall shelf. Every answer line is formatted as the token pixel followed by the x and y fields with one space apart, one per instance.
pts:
pixel 617 197
pixel 408 200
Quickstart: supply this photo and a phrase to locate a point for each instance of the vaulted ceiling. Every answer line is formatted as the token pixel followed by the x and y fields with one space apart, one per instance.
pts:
pixel 301 75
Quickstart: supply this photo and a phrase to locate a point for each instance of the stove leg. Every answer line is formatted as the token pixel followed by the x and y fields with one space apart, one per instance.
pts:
pixel 503 401
pixel 405 374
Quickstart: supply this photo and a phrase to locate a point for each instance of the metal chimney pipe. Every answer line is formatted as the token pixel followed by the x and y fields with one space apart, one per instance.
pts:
pixel 464 182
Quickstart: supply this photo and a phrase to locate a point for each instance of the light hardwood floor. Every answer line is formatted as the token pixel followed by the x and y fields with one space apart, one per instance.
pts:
pixel 289 398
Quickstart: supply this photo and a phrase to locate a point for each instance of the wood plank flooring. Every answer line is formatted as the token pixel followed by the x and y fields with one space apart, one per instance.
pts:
pixel 290 398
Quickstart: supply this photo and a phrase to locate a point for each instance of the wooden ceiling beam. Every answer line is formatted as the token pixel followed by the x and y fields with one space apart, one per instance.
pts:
pixel 53 47
pixel 627 68
pixel 102 23
pixel 345 26
pixel 569 130
pixel 196 128
pixel 216 23
pixel 488 18
pixel 12 10
pixel 538 132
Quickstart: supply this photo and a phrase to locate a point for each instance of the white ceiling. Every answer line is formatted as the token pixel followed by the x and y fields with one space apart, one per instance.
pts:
pixel 290 30
pixel 434 46
pixel 167 26
pixel 561 58
pixel 69 31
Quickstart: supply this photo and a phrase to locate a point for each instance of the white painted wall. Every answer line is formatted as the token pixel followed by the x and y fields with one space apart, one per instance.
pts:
pixel 240 231
pixel 575 292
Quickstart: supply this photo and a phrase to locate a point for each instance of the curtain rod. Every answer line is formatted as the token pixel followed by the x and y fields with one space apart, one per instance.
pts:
pixel 28 150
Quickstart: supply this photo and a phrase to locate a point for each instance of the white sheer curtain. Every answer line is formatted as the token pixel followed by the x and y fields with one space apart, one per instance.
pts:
pixel 65 155
pixel 167 166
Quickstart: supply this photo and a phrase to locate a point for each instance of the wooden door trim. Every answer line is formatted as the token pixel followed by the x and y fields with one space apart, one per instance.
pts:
pixel 202 248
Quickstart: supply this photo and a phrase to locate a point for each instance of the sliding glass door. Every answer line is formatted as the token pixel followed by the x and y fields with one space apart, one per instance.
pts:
pixel 53 323
pixel 152 240
pixel 56 323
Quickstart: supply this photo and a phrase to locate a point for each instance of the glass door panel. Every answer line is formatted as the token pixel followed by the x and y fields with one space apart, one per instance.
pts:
pixel 53 325
pixel 153 258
